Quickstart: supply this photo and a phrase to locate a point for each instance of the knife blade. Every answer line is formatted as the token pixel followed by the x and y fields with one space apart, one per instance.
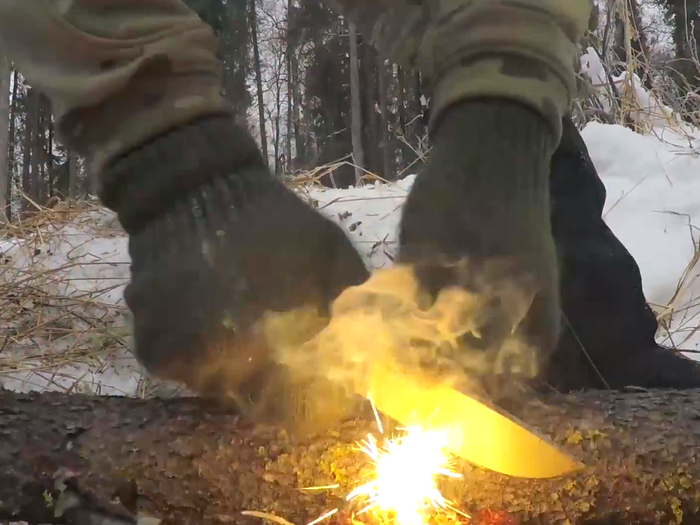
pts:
pixel 477 432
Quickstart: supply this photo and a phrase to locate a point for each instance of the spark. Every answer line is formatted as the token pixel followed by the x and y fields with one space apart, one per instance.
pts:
pixel 376 414
pixel 404 485
pixel 321 487
pixel 323 517
pixel 406 473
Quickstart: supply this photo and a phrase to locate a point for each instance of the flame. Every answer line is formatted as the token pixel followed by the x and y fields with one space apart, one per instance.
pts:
pixel 406 472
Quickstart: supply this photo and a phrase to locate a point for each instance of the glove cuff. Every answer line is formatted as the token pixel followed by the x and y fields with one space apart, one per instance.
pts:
pixel 485 79
pixel 144 183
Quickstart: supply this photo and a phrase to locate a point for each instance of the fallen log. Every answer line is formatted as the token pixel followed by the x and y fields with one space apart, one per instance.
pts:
pixel 196 464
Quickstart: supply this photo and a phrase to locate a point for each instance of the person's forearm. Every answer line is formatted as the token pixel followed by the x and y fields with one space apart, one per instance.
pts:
pixel 118 72
pixel 521 51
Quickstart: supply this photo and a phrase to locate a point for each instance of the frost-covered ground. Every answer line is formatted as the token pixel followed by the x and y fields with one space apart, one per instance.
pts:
pixel 653 204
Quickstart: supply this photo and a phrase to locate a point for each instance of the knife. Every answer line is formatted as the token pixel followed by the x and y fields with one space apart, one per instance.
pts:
pixel 477 432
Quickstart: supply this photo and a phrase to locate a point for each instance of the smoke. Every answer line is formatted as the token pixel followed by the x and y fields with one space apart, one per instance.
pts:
pixel 390 321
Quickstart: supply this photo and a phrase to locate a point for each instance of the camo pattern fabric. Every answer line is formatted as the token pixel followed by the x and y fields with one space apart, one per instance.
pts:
pixel 523 50
pixel 118 72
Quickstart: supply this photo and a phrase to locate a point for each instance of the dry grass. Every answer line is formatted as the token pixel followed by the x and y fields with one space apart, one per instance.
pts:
pixel 616 100
pixel 44 303
pixel 680 321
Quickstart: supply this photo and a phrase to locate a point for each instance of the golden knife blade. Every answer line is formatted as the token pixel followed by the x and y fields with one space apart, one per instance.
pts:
pixel 477 432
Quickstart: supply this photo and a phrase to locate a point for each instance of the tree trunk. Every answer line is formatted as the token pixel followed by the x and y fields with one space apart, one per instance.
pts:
pixel 34 114
pixel 355 105
pixel 278 118
pixel 73 173
pixel 276 136
pixel 43 148
pixel 12 145
pixel 290 90
pixel 299 142
pixel 253 20
pixel 416 127
pixel 49 148
pixel 91 179
pixel 5 73
pixel 192 463
pixel 387 150
pixel 401 121
pixel 629 31
pixel 401 112
pixel 370 134
pixel 685 17
pixel 27 154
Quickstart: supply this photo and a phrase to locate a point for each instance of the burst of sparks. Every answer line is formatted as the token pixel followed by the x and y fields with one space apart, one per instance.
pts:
pixel 406 472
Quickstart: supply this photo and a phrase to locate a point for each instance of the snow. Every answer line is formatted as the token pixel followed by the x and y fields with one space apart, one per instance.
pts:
pixel 653 207
pixel 653 184
pixel 81 267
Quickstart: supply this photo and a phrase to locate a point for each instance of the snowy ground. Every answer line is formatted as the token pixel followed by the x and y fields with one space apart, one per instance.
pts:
pixel 653 203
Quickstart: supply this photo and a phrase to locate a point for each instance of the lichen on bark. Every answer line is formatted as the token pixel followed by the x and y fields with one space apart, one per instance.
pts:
pixel 196 463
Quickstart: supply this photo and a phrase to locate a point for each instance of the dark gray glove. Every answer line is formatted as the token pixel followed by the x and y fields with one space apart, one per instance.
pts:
pixel 478 220
pixel 217 243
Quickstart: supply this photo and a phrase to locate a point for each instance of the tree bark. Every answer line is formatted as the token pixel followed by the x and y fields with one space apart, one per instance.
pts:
pixel 193 463
pixel 355 105
pixel 73 174
pixel 253 20
pixel 629 32
pixel 416 128
pixel 401 111
pixel 12 153
pixel 368 99
pixel 387 150
pixel 27 153
pixel 43 145
pixel 5 73
pixel 50 134
pixel 36 145
pixel 290 89
pixel 300 152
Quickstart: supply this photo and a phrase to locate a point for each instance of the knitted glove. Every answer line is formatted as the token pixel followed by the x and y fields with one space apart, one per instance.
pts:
pixel 477 221
pixel 219 247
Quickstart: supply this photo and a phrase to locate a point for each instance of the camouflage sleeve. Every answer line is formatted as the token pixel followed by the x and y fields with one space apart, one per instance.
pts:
pixel 523 50
pixel 118 72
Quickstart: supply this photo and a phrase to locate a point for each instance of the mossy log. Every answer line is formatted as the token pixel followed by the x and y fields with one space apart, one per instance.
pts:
pixel 196 464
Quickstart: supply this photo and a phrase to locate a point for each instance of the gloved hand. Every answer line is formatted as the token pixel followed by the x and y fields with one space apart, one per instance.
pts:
pixel 476 226
pixel 218 245
pixel 477 220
